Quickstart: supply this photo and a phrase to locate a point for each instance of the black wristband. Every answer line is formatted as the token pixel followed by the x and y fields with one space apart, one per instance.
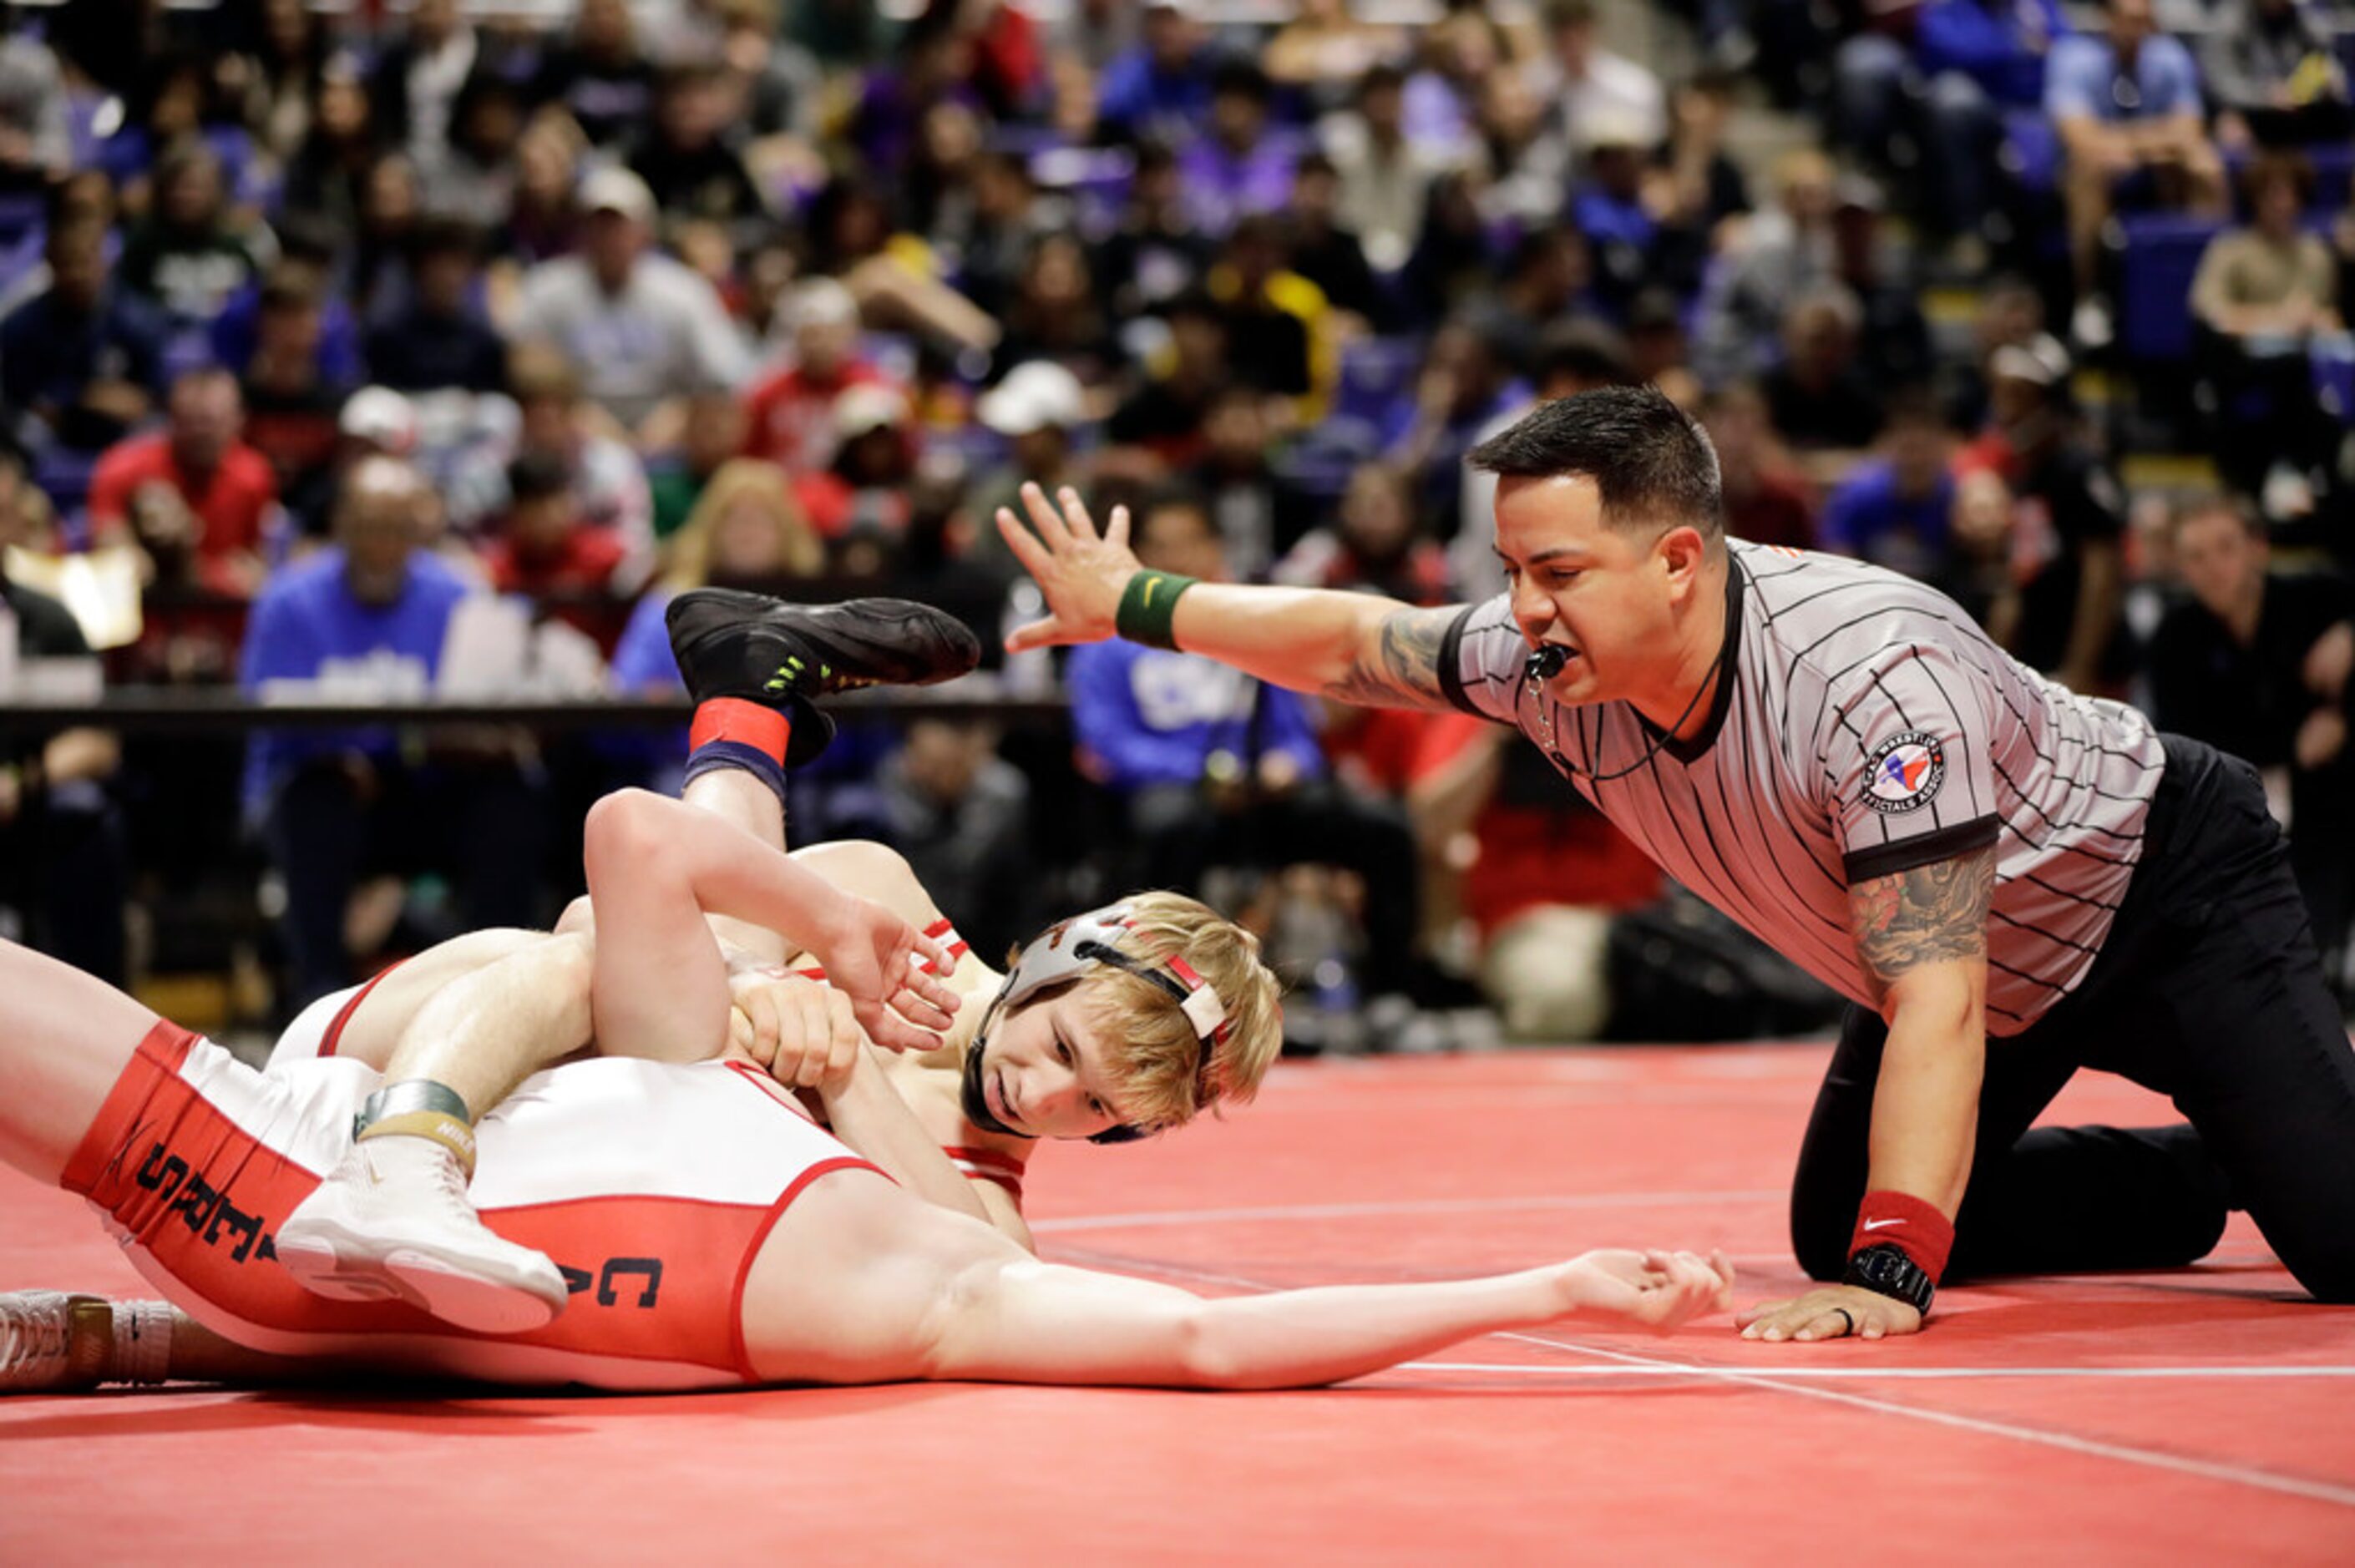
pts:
pixel 1885 1269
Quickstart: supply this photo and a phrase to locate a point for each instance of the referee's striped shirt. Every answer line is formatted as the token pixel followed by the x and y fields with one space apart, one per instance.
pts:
pixel 1865 726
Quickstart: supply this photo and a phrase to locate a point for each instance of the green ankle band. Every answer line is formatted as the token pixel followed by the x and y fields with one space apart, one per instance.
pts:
pixel 419 1107
pixel 437 1127
pixel 407 1098
pixel 1148 608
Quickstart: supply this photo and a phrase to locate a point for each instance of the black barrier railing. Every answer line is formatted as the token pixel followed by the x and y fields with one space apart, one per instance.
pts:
pixel 216 710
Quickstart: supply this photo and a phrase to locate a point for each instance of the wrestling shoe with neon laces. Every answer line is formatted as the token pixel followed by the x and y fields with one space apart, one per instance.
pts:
pixel 761 649
pixel 51 1342
pixel 392 1223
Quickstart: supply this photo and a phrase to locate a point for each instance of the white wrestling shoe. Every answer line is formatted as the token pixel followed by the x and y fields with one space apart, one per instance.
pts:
pixel 51 1342
pixel 392 1223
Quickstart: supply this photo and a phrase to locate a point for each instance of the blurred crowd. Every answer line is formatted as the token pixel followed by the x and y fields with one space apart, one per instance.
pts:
pixel 435 347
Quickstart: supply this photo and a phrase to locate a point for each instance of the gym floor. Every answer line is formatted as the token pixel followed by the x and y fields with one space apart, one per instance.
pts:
pixel 2198 1417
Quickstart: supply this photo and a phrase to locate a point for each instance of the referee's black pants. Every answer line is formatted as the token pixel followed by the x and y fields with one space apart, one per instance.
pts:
pixel 2207 991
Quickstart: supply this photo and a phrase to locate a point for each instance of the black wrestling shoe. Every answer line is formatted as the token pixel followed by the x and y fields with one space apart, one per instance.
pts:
pixel 760 650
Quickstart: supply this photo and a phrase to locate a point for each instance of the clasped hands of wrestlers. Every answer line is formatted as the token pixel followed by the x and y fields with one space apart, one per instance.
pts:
pixel 885 981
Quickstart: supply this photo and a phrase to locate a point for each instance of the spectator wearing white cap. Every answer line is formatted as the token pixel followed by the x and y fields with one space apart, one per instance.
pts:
pixel 790 415
pixel 1039 409
pixel 645 330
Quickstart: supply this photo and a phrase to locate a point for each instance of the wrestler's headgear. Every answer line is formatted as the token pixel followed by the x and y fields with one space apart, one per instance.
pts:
pixel 1068 950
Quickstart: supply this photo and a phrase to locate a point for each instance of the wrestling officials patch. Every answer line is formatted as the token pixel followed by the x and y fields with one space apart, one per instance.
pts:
pixel 1904 773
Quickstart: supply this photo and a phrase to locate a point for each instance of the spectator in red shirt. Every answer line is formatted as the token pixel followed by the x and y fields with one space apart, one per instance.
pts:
pixel 193 495
pixel 791 412
pixel 546 551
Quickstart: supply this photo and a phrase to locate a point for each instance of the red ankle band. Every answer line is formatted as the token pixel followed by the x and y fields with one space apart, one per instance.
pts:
pixel 748 723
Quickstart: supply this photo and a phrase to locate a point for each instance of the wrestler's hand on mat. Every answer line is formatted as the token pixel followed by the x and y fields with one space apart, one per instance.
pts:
pixel 1082 573
pixel 1830 1312
pixel 801 1031
pixel 1659 1289
pixel 878 959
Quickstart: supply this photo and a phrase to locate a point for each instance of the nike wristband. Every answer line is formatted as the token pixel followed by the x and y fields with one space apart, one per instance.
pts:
pixel 1148 607
pixel 1911 1224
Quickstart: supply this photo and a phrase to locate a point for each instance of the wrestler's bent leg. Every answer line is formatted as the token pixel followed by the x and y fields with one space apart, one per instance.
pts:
pixel 393 1218
pixel 65 1039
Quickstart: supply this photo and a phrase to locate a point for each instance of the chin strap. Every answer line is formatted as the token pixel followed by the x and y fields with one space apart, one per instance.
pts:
pixel 970 1097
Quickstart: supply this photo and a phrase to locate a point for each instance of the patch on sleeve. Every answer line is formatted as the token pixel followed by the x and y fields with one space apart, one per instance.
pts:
pixel 1905 772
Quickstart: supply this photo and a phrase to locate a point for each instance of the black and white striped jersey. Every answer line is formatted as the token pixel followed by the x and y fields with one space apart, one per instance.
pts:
pixel 1865 726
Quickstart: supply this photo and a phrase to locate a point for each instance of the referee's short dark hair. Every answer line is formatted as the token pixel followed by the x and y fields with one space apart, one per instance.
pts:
pixel 1651 464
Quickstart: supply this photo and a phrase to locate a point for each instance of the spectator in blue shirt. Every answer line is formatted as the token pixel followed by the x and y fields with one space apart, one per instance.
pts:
pixel 372 611
pixel 79 362
pixel 1238 168
pixel 1160 89
pixel 1211 767
pixel 1894 509
pixel 2126 105
pixel 1971 60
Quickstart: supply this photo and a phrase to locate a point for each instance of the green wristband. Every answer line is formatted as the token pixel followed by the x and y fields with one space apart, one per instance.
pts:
pixel 1148 607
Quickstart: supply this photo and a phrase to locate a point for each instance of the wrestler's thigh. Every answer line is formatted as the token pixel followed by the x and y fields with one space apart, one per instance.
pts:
pixel 65 1038
pixel 377 1024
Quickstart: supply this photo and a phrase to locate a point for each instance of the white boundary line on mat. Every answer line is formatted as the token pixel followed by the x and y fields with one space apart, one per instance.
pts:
pixel 1778 1382
pixel 1781 1381
pixel 1875 1374
pixel 1403 1206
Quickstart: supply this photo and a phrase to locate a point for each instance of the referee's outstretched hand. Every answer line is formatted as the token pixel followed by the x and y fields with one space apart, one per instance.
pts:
pixel 1830 1312
pixel 1080 571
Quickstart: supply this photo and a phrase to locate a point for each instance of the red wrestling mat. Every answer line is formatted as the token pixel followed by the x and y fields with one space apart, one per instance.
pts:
pixel 2199 1417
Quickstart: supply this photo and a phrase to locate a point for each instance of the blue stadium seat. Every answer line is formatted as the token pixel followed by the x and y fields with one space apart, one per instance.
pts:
pixel 1096 179
pixel 63 475
pixel 2032 150
pixel 22 213
pixel 2162 253
pixel 190 347
pixel 1318 470
pixel 2333 377
pixel 2334 174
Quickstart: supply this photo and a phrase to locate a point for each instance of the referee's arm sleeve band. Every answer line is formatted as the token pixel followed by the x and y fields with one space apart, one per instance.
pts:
pixel 1946 844
pixel 1451 664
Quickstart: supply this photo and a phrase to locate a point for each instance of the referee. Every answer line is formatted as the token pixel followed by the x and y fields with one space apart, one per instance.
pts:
pixel 2008 880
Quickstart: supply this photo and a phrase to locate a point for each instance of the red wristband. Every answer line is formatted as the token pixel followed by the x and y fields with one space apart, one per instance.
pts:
pixel 1907 1223
pixel 763 729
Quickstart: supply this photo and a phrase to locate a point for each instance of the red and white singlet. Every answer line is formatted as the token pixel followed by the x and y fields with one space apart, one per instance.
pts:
pixel 652 1186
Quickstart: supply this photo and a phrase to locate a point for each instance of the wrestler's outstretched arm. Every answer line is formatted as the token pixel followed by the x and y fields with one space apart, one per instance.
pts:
pixel 859 1282
pixel 1016 1320
pixel 1036 1323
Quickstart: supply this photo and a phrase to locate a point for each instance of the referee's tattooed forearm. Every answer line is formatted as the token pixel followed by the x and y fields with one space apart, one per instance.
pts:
pixel 1408 677
pixel 1923 916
